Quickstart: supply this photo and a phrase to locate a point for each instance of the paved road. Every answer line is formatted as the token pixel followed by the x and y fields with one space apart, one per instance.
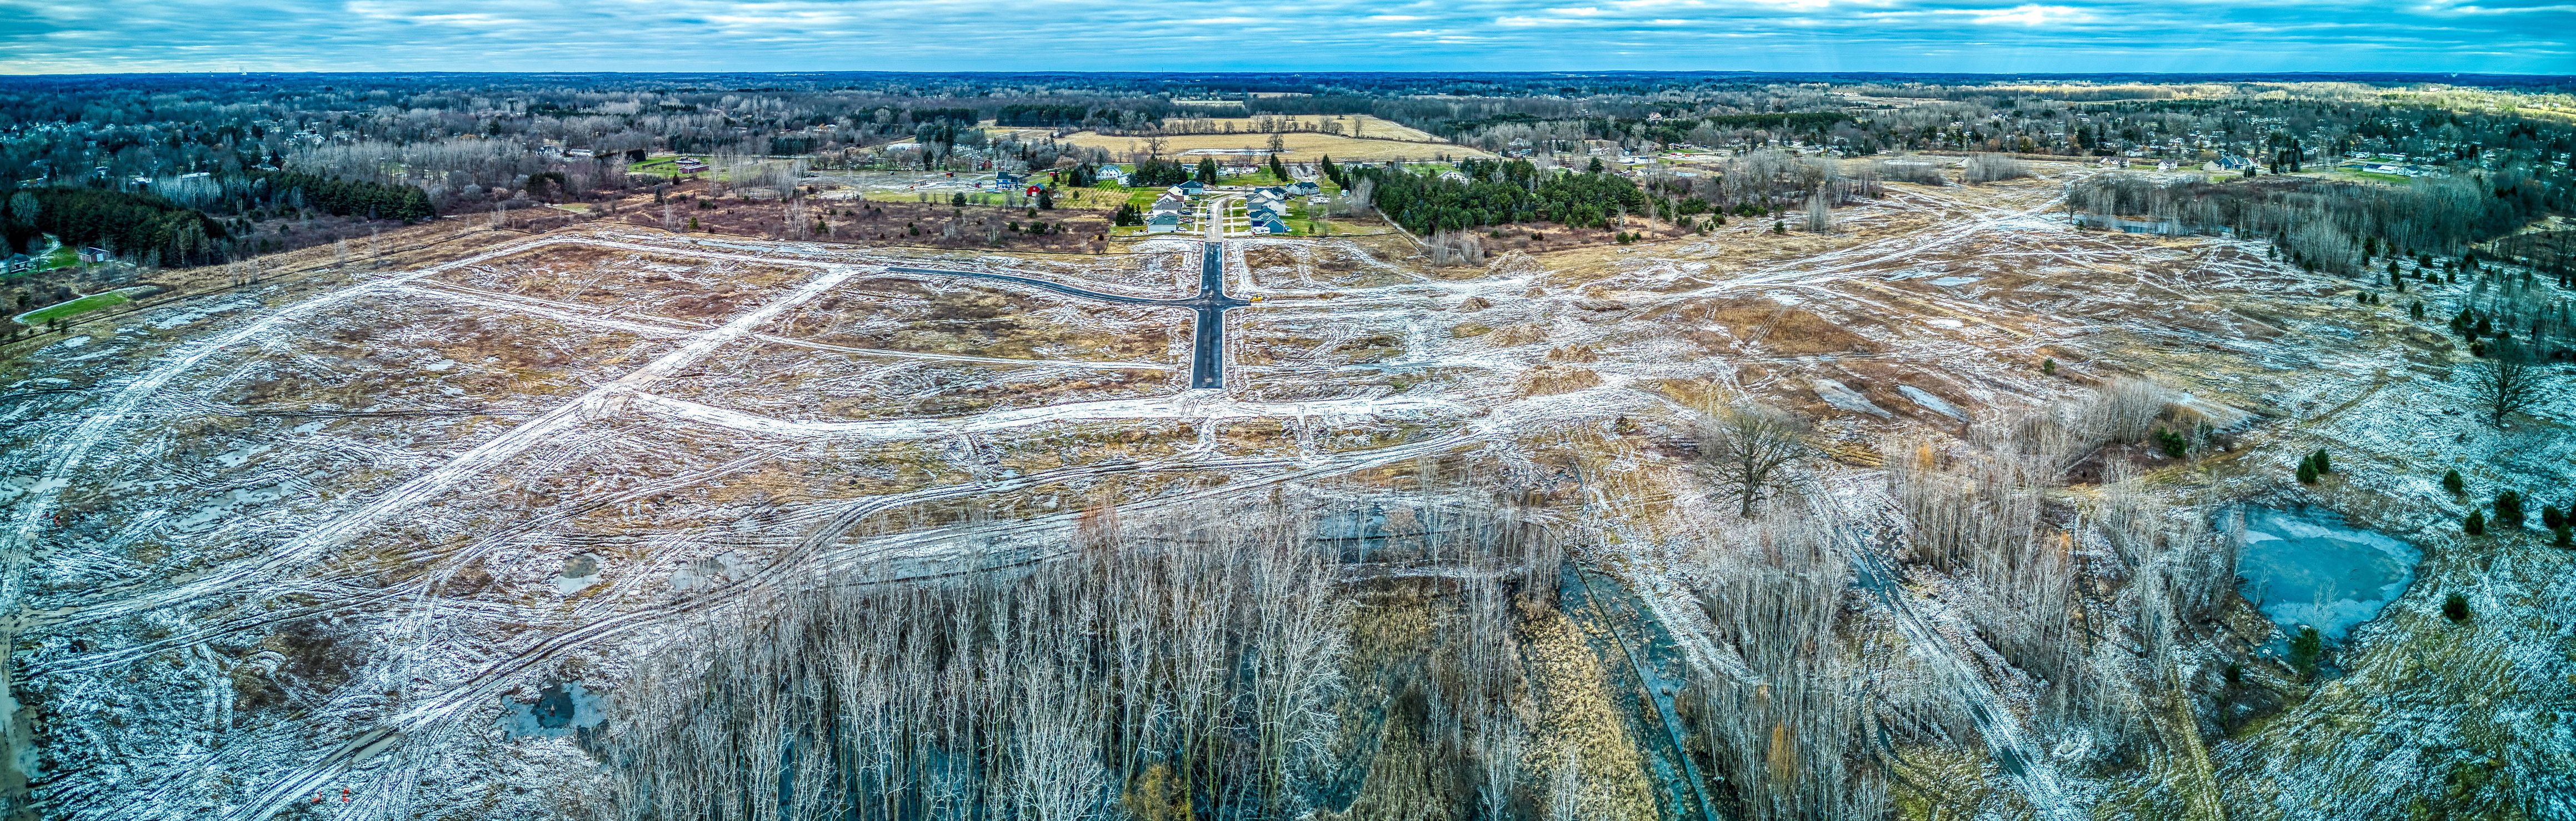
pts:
pixel 1207 343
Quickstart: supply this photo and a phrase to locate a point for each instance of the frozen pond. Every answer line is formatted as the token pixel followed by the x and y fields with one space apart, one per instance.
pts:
pixel 2306 567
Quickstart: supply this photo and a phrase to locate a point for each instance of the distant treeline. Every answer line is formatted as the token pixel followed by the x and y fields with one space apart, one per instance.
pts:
pixel 2325 225
pixel 1050 116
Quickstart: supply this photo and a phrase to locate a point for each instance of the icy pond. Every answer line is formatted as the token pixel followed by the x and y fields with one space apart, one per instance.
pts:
pixel 2306 567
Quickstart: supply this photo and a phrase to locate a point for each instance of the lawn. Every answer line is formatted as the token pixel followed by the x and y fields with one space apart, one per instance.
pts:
pixel 75 307
pixel 650 165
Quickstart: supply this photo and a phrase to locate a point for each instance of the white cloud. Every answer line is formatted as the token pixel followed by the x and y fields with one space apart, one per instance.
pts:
pixel 2032 15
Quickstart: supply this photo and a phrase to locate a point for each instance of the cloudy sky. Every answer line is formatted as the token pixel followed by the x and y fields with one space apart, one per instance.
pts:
pixel 82 36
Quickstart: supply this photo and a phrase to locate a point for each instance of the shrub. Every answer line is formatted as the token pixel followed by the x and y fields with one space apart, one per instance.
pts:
pixel 2476 524
pixel 2566 536
pixel 2323 466
pixel 2508 507
pixel 2307 472
pixel 2552 518
pixel 2173 444
pixel 2451 482
pixel 2455 607
pixel 2048 366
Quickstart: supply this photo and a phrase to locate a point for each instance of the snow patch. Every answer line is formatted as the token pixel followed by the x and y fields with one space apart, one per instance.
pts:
pixel 1842 396
pixel 1932 403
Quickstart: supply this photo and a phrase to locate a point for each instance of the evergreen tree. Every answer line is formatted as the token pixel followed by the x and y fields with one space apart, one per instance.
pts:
pixel 2476 524
pixel 1207 171
pixel 2305 649
pixel 2319 457
pixel 2307 472
pixel 2451 482
pixel 2455 607
pixel 2508 507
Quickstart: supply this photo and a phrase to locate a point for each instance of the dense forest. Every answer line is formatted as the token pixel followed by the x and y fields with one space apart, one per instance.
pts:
pixel 1491 193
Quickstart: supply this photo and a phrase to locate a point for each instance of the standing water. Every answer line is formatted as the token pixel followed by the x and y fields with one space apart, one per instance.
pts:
pixel 2306 567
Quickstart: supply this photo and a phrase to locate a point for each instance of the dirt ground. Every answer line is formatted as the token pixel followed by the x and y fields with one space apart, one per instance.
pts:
pixel 419 443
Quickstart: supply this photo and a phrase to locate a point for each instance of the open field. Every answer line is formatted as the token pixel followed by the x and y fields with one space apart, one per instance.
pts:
pixel 492 465
pixel 1351 125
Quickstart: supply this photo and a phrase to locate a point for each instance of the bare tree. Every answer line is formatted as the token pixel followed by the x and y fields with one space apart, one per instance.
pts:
pixel 1154 144
pixel 1747 445
pixel 1820 211
pixel 2507 382
pixel 1786 732
pixel 1995 168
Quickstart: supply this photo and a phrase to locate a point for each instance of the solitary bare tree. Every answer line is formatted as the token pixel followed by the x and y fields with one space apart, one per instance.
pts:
pixel 2508 382
pixel 1747 445
pixel 1154 143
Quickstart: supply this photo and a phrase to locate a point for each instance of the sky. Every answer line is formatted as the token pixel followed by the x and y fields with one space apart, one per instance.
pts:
pixel 112 36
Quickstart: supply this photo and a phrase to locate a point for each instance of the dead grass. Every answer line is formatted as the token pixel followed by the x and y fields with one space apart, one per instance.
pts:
pixel 1753 324
pixel 1580 726
pixel 1549 379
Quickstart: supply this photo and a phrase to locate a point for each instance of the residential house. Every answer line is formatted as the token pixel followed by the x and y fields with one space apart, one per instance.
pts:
pixel 1269 224
pixel 1302 188
pixel 1112 173
pixel 93 253
pixel 690 165
pixel 1163 222
pixel 1191 189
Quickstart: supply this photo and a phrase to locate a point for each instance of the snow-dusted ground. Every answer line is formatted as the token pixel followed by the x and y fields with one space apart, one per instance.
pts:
pixel 282 544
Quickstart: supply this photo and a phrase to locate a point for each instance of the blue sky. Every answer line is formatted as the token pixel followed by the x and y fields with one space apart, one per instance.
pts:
pixel 82 36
